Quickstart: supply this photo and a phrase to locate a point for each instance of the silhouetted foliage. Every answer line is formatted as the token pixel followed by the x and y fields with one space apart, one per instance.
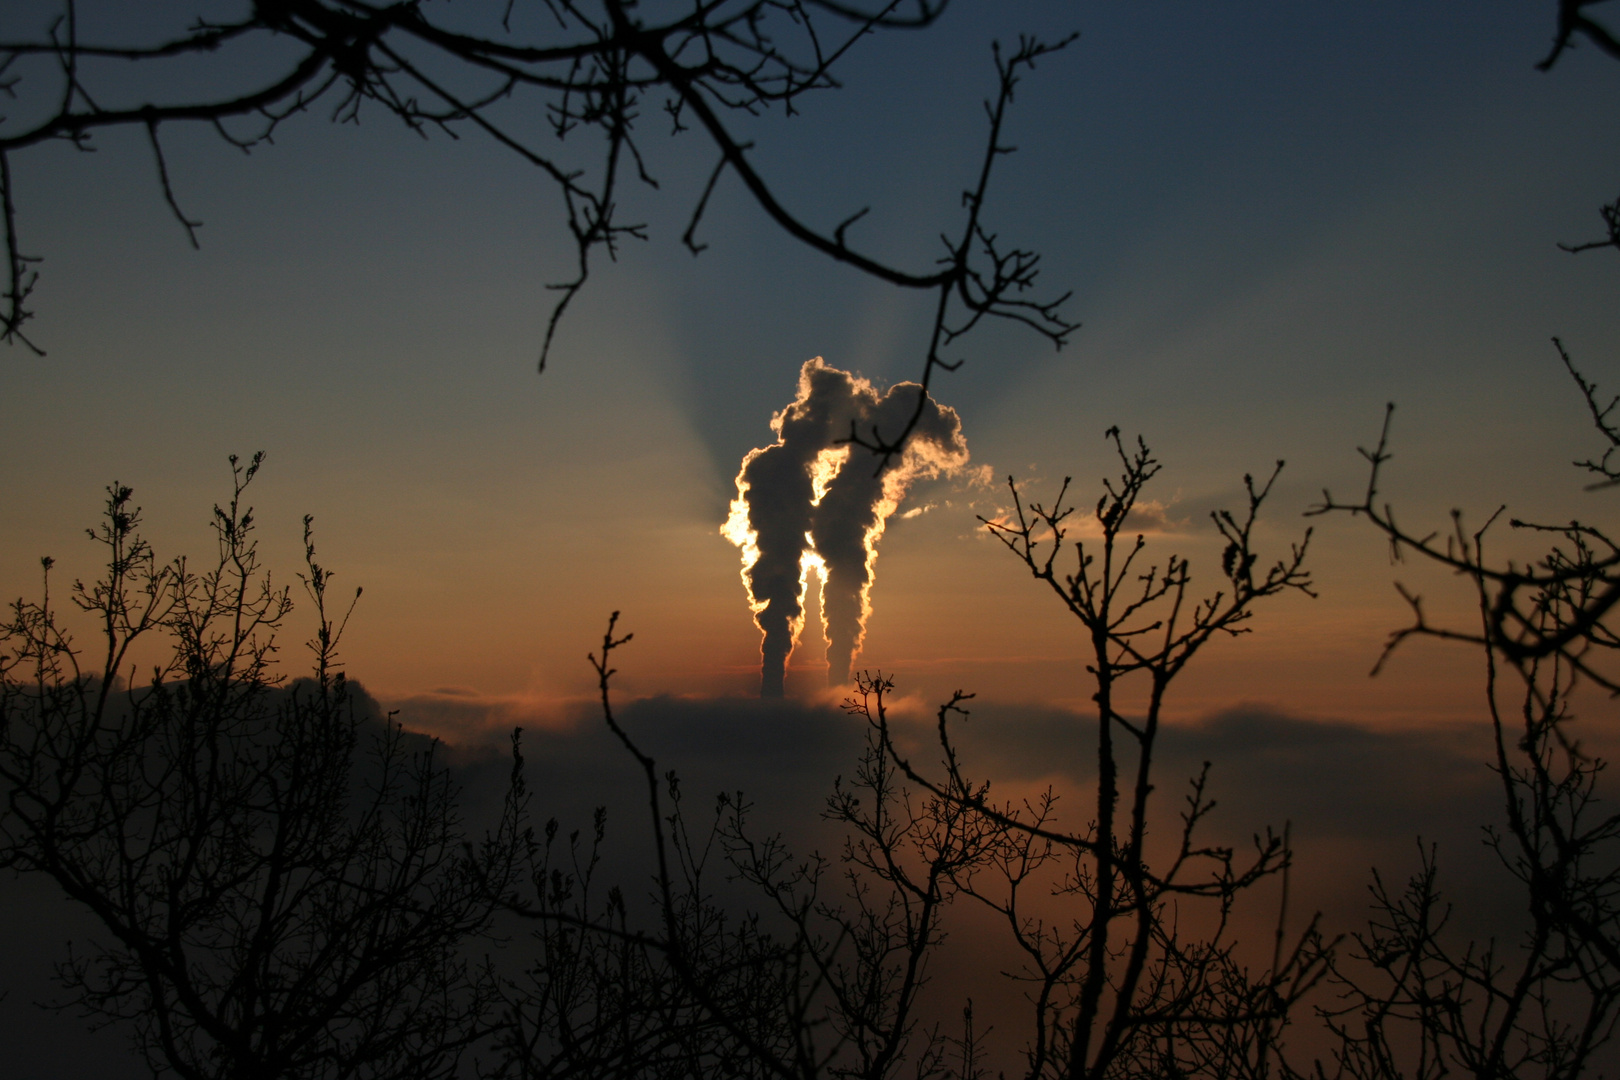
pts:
pixel 283 886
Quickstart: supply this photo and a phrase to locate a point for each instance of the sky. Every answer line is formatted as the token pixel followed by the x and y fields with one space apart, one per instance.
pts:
pixel 1273 219
pixel 1272 222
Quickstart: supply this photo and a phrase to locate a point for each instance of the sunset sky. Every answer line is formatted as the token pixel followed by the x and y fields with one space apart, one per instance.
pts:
pixel 1273 219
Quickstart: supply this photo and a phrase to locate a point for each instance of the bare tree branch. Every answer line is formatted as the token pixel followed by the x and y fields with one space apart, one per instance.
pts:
pixel 584 67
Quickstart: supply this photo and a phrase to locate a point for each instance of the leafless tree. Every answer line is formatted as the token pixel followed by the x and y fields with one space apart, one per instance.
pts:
pixel 1422 1003
pixel 1415 1000
pixel 1561 605
pixel 529 75
pixel 866 924
pixel 1610 212
pixel 1119 990
pixel 832 978
pixel 1574 23
pixel 283 887
pixel 694 990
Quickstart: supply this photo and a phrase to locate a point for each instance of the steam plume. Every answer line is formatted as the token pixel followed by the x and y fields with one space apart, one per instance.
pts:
pixel 805 500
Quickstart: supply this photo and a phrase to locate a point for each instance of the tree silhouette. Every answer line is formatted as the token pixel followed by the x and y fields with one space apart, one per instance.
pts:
pixel 832 977
pixel 283 887
pixel 1414 1000
pixel 1573 24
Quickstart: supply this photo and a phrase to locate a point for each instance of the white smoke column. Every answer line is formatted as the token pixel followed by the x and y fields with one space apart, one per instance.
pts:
pixel 776 493
pixel 848 521
pixel 807 499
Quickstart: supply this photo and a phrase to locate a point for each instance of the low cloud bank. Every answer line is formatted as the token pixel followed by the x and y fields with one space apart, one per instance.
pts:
pixel 1334 778
pixel 1356 798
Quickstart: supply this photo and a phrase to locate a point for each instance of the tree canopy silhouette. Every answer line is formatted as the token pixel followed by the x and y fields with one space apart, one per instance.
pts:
pixel 284 886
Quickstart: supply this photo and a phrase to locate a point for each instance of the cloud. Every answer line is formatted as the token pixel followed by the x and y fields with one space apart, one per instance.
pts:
pixel 1152 516
pixel 1356 797
pixel 1343 787
pixel 1330 778
pixel 811 498
pixel 465 717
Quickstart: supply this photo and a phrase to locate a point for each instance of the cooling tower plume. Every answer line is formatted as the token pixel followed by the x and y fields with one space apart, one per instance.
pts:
pixel 809 500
